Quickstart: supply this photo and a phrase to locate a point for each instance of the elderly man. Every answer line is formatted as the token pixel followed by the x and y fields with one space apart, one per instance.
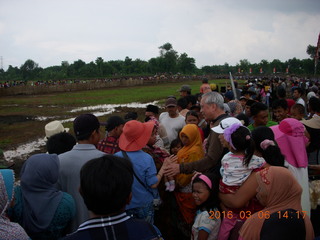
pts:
pixel 213 110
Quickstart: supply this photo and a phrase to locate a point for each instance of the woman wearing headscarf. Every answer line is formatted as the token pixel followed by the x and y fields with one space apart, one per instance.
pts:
pixel 282 217
pixel 291 139
pixel 8 230
pixel 40 208
pixel 190 152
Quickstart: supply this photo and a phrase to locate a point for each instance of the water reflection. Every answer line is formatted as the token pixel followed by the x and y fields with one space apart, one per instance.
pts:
pixel 100 110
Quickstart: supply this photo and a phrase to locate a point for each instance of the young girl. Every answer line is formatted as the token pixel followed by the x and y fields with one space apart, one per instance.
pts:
pixel 207 223
pixel 237 166
pixel 190 152
pixel 192 117
pixel 266 146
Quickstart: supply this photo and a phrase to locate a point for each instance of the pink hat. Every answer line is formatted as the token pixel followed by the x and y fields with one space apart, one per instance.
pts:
pixel 135 135
pixel 289 135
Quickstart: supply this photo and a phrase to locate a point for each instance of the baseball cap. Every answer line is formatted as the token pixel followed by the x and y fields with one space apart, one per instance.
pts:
pixel 225 123
pixel 185 88
pixel 84 125
pixel 171 102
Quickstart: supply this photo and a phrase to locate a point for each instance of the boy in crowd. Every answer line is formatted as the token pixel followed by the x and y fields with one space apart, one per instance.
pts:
pixel 260 116
pixel 110 144
pixel 112 178
pixel 280 109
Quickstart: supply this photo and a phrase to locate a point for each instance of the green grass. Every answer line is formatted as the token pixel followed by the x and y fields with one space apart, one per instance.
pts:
pixel 103 96
pixel 58 106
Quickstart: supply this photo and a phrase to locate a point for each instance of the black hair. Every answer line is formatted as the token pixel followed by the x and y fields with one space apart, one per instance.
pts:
pixel 182 102
pixel 213 200
pixel 271 154
pixel 299 107
pixel 196 107
pixel 175 142
pixel 244 118
pixel 257 107
pixel 242 141
pixel 249 102
pixel 105 184
pixel 131 116
pixel 299 90
pixel 281 92
pixel 192 113
pixel 191 99
pixel 60 143
pixel 314 104
pixel 280 103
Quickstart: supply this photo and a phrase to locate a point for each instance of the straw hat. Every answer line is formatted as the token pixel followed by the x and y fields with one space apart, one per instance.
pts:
pixel 54 127
pixel 135 135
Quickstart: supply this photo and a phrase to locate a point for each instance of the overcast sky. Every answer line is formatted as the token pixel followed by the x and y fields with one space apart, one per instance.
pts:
pixel 211 31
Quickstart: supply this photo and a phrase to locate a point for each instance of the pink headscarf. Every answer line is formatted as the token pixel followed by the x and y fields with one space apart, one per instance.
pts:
pixel 289 135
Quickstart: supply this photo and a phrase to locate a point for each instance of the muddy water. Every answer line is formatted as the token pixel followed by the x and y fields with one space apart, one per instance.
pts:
pixel 38 145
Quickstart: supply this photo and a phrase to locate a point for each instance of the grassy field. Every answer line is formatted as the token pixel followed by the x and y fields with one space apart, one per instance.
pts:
pixel 17 113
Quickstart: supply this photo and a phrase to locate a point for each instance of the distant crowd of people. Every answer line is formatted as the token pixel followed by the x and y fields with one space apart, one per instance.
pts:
pixel 231 164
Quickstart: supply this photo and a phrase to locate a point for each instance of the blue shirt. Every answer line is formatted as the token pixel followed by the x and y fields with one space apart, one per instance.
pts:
pixel 145 169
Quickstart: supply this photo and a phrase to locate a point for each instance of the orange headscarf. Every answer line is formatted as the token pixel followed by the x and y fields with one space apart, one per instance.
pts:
pixel 278 190
pixel 192 152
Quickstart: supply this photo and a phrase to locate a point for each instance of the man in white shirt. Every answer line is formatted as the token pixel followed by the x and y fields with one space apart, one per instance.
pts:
pixel 172 120
pixel 297 93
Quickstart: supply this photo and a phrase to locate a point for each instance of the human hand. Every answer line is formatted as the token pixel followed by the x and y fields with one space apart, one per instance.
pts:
pixel 172 170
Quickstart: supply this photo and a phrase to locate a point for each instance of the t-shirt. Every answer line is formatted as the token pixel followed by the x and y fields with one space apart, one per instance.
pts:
pixel 172 125
pixel 269 124
pixel 204 222
pixel 234 173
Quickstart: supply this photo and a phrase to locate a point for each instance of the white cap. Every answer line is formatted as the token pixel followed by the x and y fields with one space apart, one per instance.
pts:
pixel 225 123
pixel 54 127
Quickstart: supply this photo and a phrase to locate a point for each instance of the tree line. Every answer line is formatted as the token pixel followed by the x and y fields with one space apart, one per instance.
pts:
pixel 168 61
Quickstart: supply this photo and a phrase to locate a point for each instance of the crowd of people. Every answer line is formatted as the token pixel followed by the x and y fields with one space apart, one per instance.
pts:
pixel 213 165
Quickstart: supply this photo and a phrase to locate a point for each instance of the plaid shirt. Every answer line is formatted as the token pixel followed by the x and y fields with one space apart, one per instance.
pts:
pixel 109 145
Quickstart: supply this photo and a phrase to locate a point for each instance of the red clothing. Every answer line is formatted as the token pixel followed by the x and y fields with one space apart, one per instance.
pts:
pixel 290 103
pixel 109 145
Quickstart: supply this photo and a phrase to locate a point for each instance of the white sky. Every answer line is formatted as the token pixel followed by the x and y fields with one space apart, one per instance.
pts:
pixel 211 31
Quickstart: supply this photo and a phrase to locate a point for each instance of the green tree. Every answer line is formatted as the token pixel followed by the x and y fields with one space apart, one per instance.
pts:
pixel 186 64
pixel 29 69
pixel 99 62
pixel 311 51
pixel 169 57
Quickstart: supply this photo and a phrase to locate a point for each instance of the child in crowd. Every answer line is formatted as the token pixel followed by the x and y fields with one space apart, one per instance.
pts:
pixel 205 194
pixel 175 146
pixel 237 166
pixel 190 152
pixel 298 111
pixel 266 146
pixel 192 117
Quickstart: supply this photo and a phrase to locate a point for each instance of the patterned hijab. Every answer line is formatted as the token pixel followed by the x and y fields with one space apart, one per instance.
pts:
pixel 278 190
pixel 8 230
pixel 39 175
